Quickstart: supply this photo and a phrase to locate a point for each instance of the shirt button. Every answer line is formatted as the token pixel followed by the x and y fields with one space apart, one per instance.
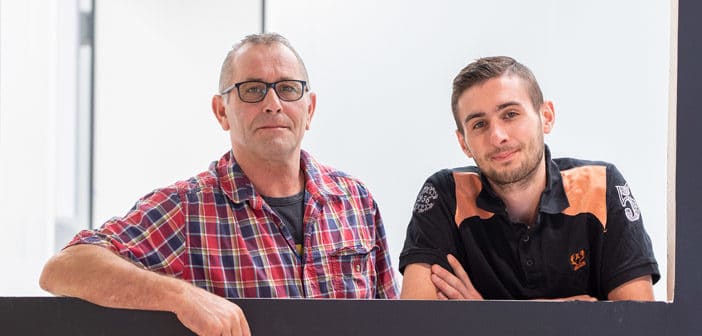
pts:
pixel 525 238
pixel 530 262
pixel 358 268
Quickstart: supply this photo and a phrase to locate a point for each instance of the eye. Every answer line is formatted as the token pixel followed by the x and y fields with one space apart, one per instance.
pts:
pixel 479 125
pixel 255 89
pixel 511 114
pixel 287 88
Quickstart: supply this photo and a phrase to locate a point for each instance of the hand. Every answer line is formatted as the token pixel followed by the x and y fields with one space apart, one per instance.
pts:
pixel 208 314
pixel 453 287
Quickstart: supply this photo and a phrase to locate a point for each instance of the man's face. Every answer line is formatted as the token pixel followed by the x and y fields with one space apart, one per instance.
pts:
pixel 501 130
pixel 271 129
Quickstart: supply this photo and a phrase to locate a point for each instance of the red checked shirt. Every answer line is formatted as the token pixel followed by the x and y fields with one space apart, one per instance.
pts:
pixel 215 231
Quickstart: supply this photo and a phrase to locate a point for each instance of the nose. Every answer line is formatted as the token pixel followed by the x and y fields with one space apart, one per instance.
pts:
pixel 271 102
pixel 498 134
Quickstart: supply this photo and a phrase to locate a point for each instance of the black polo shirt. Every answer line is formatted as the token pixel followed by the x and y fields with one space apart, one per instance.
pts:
pixel 588 237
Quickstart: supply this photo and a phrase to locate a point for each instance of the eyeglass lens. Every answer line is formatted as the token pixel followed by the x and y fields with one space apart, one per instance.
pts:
pixel 255 91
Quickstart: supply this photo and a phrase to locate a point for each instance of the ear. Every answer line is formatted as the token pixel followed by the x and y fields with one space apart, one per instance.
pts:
pixel 548 116
pixel 310 109
pixel 220 111
pixel 463 144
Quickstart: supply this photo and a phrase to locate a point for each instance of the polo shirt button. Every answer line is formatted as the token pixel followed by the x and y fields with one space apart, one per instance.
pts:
pixel 525 238
pixel 530 262
pixel 358 267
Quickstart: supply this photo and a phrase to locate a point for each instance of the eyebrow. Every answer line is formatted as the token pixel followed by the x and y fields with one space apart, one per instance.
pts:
pixel 260 79
pixel 473 116
pixel 506 105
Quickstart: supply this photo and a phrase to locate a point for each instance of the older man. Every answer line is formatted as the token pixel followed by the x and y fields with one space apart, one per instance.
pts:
pixel 266 220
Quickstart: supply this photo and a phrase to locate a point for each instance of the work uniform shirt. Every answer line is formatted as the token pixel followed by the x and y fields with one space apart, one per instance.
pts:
pixel 215 231
pixel 588 237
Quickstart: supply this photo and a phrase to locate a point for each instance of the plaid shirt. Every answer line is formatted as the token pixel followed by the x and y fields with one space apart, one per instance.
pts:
pixel 215 231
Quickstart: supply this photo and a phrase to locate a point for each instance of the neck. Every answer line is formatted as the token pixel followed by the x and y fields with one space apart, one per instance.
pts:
pixel 273 178
pixel 522 198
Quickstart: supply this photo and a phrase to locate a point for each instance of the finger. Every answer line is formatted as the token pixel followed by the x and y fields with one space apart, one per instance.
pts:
pixel 245 330
pixel 441 296
pixel 238 326
pixel 459 271
pixel 227 328
pixel 446 275
pixel 441 272
pixel 447 289
pixel 584 297
pixel 463 276
pixel 451 280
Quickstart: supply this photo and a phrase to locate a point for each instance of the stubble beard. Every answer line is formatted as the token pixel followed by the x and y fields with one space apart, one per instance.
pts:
pixel 520 176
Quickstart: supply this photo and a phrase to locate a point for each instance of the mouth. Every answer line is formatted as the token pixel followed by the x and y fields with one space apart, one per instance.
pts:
pixel 502 156
pixel 272 127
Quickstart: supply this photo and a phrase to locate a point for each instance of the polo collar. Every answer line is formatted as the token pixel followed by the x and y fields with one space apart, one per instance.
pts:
pixel 553 199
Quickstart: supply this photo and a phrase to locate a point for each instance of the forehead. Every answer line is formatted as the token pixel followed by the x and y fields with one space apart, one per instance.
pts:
pixel 268 62
pixel 486 96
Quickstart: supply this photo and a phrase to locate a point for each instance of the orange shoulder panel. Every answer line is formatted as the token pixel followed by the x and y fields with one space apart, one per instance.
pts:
pixel 468 188
pixel 586 189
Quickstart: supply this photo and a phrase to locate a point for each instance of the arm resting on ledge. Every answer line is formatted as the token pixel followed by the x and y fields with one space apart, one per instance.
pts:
pixel 423 279
pixel 639 289
pixel 100 276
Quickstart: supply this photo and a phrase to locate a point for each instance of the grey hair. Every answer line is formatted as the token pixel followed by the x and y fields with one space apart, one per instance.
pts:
pixel 227 72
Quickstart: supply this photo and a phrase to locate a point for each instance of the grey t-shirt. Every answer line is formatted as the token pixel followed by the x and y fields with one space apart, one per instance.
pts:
pixel 291 210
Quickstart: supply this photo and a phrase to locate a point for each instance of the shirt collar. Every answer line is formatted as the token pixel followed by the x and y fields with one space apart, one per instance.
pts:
pixel 319 178
pixel 238 187
pixel 553 199
pixel 233 181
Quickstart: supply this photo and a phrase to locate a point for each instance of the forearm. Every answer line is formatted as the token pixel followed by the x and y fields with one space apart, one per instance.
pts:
pixel 639 289
pixel 98 275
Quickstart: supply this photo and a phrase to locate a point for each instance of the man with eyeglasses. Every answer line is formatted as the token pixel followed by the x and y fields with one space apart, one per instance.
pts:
pixel 521 225
pixel 266 220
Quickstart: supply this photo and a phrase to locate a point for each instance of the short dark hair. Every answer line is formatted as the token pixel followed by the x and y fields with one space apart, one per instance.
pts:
pixel 225 75
pixel 486 68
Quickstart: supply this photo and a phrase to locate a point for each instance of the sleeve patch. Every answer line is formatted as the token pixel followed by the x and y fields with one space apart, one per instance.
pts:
pixel 426 199
pixel 632 211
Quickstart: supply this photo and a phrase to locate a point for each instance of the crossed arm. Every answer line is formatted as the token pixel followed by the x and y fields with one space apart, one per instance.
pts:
pixel 98 275
pixel 433 282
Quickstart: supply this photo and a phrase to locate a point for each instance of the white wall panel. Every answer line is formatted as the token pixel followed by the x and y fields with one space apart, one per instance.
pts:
pixel 383 70
pixel 30 87
pixel 157 67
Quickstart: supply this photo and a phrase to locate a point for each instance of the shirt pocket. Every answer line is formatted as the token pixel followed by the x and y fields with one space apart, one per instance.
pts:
pixel 353 271
pixel 345 271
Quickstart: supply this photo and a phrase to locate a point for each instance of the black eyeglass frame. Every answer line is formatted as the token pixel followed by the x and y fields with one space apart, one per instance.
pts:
pixel 273 85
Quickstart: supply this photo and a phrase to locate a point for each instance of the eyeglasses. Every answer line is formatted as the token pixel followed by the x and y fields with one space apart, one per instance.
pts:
pixel 255 91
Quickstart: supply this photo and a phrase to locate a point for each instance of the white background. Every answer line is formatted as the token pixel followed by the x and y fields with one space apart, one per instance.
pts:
pixel 382 72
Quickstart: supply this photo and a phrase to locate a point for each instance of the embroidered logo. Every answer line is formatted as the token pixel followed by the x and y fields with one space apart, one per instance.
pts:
pixel 577 259
pixel 425 199
pixel 632 213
